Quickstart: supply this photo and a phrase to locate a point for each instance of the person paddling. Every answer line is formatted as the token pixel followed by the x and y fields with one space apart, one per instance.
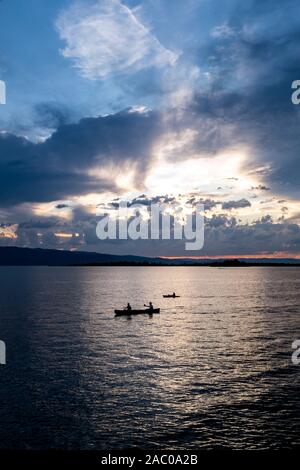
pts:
pixel 150 306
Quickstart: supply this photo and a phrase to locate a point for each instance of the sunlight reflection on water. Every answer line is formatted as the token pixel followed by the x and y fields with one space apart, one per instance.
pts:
pixel 212 370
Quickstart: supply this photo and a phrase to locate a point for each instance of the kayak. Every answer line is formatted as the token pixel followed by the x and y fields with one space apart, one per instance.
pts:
pixel 170 296
pixel 136 312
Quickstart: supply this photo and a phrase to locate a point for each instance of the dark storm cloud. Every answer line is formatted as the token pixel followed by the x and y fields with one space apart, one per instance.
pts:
pixel 260 187
pixel 30 173
pixel 147 201
pixel 144 200
pixel 220 220
pixel 252 62
pixel 125 136
pixel 236 204
pixel 262 236
pixel 207 203
pixel 193 200
pixel 224 235
pixel 41 224
pixel 58 168
pixel 51 115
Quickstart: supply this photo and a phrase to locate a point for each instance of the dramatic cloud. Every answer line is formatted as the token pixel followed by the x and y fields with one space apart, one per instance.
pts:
pixel 104 37
pixel 256 55
pixel 210 118
pixel 223 236
pixel 69 163
pixel 261 187
pixel 236 204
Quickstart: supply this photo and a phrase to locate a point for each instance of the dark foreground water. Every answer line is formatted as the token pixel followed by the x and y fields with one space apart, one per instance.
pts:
pixel 212 370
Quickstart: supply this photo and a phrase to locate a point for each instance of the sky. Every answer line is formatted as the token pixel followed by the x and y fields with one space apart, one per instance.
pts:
pixel 182 101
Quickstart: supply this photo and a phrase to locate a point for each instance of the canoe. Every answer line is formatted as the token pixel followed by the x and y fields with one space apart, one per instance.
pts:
pixel 136 312
pixel 171 296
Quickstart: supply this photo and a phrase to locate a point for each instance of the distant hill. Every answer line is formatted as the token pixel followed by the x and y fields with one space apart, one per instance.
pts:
pixel 237 263
pixel 15 256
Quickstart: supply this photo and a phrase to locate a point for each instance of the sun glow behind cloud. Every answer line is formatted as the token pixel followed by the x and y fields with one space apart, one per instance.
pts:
pixel 152 100
pixel 9 232
pixel 66 235
pixel 205 174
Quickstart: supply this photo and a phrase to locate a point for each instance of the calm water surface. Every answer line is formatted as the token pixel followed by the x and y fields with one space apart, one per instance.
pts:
pixel 212 370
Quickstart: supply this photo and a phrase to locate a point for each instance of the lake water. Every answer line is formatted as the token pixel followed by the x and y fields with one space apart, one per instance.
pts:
pixel 212 370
